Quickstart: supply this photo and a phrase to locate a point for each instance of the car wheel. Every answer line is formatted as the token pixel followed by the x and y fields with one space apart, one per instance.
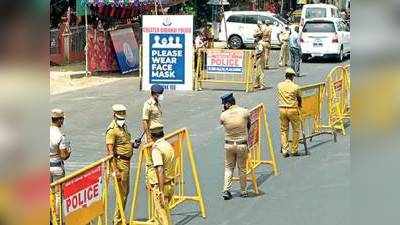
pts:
pixel 340 56
pixel 235 42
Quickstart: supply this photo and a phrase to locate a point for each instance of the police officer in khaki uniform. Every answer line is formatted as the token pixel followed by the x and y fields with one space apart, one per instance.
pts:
pixel 152 114
pixel 289 105
pixel 266 37
pixel 259 55
pixel 283 38
pixel 160 174
pixel 236 122
pixel 119 145
pixel 258 33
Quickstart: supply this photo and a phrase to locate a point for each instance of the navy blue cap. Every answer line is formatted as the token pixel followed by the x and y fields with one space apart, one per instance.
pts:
pixel 157 88
pixel 226 98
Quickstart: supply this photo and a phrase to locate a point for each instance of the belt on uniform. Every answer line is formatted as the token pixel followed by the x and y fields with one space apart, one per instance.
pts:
pixel 235 142
pixel 56 164
pixel 287 107
pixel 126 158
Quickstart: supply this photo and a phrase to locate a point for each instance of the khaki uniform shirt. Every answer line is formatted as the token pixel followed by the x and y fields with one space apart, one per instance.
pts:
pixel 287 94
pixel 234 121
pixel 162 154
pixel 266 33
pixel 284 36
pixel 258 34
pixel 152 112
pixel 120 138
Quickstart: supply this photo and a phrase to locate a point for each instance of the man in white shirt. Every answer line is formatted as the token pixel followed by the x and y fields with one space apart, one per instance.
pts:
pixel 295 51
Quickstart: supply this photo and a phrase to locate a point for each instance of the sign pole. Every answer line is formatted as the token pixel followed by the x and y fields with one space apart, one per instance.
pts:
pixel 86 44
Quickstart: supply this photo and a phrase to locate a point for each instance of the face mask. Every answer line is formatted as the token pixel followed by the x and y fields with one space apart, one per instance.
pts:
pixel 160 97
pixel 120 123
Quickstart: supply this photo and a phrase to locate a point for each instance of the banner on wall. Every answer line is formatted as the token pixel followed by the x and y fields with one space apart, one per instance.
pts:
pixel 126 49
pixel 167 51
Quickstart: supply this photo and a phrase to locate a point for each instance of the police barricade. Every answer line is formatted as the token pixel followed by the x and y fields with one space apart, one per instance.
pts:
pixel 83 196
pixel 225 66
pixel 258 128
pixel 338 93
pixel 182 145
pixel 311 122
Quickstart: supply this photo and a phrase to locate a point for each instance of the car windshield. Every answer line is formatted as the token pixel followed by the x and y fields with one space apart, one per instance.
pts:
pixel 319 27
pixel 280 18
pixel 315 13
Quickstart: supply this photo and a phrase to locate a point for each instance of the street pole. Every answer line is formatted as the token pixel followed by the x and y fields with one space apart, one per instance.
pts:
pixel 86 44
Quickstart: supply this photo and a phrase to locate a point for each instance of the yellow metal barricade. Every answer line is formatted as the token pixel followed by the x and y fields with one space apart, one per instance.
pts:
pixel 225 66
pixel 183 148
pixel 259 127
pixel 338 93
pixel 311 122
pixel 83 196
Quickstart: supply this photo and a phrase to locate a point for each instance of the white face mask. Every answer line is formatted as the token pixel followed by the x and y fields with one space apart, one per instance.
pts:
pixel 160 97
pixel 120 123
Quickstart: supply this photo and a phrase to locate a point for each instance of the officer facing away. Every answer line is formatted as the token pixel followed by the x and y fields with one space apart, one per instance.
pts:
pixel 152 114
pixel 259 32
pixel 236 122
pixel 160 171
pixel 118 142
pixel 283 38
pixel 289 105
pixel 60 148
pixel 266 37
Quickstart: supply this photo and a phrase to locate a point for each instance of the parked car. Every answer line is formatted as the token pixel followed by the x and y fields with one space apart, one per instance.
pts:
pixel 325 37
pixel 311 11
pixel 241 26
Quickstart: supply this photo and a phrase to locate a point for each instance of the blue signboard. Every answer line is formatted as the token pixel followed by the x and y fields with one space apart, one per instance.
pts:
pixel 167 58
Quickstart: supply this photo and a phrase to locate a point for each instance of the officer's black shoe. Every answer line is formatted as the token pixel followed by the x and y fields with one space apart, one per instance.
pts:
pixel 296 154
pixel 285 155
pixel 244 194
pixel 227 195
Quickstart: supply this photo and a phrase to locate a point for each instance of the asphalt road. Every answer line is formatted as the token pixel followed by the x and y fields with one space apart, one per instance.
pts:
pixel 310 190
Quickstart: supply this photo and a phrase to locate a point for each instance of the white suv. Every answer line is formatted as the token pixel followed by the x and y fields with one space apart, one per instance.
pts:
pixel 241 26
pixel 325 37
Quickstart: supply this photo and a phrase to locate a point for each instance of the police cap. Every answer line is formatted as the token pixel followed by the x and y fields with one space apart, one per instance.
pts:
pixel 227 98
pixel 156 88
pixel 120 111
pixel 57 113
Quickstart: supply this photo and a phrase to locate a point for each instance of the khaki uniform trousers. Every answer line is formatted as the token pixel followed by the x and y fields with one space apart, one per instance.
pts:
pixel 162 212
pixel 289 115
pixel 123 166
pixel 284 54
pixel 235 154
pixel 260 63
pixel 267 51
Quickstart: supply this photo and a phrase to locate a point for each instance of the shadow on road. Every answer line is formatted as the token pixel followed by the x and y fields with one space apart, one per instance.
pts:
pixel 188 216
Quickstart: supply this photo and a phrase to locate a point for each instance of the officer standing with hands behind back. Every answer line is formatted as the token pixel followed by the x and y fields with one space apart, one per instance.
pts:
pixel 152 114
pixel 236 122
pixel 119 145
pixel 289 102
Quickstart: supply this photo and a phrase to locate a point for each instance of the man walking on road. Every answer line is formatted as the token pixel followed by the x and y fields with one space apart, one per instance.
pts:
pixel 259 65
pixel 118 143
pixel 160 171
pixel 236 122
pixel 266 37
pixel 289 103
pixel 295 51
pixel 152 114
